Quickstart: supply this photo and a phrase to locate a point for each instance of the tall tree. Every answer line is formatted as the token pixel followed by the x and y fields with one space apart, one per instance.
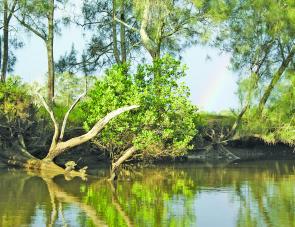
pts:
pixel 111 42
pixel 8 10
pixel 260 36
pixel 167 26
pixel 123 29
pixel 37 16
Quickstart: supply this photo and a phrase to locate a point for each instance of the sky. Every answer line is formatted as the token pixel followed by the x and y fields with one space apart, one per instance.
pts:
pixel 211 82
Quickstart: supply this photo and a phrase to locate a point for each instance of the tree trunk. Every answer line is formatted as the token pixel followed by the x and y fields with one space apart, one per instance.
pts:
pixel 114 27
pixel 5 41
pixel 254 86
pixel 148 43
pixel 277 76
pixel 123 33
pixel 59 147
pixel 18 156
pixel 127 154
pixel 49 47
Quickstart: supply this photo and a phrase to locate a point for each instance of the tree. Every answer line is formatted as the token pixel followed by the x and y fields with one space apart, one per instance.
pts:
pixel 111 42
pixel 278 121
pixel 163 126
pixel 7 58
pixel 167 26
pixel 259 35
pixel 37 16
pixel 18 114
pixel 122 29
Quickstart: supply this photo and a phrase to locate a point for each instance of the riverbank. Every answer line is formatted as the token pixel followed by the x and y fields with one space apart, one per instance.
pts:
pixel 246 149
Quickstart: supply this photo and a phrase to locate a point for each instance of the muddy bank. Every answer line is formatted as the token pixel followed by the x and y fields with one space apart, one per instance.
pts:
pixel 245 149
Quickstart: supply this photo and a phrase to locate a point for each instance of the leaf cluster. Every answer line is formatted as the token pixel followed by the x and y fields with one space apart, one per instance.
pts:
pixel 165 122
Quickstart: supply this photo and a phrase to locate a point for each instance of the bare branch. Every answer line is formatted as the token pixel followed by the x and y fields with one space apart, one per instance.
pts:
pixel 56 127
pixel 62 146
pixel 67 115
pixel 127 154
pixel 125 24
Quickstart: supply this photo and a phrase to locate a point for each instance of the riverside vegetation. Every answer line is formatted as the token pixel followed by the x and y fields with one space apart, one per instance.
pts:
pixel 140 110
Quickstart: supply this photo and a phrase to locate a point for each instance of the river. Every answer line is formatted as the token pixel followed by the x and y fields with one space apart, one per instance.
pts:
pixel 260 193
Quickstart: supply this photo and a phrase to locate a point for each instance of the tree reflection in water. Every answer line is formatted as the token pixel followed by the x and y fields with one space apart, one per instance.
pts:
pixel 162 196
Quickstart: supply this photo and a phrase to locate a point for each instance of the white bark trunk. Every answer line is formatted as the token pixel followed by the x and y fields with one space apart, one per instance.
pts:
pixel 63 146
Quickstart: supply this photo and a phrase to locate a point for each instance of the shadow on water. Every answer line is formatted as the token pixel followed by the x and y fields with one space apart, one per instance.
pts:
pixel 245 194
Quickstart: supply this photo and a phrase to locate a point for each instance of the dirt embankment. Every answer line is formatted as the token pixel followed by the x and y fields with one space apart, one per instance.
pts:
pixel 245 149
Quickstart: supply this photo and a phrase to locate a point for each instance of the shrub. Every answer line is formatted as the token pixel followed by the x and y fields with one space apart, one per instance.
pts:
pixel 165 122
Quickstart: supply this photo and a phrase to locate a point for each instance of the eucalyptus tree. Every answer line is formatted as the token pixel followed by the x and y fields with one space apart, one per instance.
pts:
pixel 38 17
pixel 168 26
pixel 124 28
pixel 260 36
pixel 7 58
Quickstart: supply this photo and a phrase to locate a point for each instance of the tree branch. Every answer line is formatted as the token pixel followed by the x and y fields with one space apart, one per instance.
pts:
pixel 12 10
pixel 62 146
pixel 56 127
pixel 67 115
pixel 127 154
pixel 36 32
pixel 125 24
pixel 147 42
pixel 276 77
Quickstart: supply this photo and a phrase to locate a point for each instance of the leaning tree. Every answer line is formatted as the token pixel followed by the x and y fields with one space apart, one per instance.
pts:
pixel 18 155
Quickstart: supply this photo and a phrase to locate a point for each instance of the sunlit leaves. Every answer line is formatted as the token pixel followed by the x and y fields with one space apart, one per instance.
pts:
pixel 165 122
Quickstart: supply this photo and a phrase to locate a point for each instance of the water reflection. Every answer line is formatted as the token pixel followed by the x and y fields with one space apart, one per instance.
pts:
pixel 249 194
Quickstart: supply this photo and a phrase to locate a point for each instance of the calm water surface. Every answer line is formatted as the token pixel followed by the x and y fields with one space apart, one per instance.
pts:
pixel 247 194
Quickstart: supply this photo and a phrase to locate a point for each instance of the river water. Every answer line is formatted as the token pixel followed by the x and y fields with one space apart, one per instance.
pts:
pixel 245 194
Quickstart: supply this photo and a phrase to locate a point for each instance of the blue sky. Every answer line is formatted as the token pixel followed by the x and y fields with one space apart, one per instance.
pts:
pixel 212 84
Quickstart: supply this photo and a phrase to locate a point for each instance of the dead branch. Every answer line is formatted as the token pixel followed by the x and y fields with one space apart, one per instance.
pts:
pixel 67 115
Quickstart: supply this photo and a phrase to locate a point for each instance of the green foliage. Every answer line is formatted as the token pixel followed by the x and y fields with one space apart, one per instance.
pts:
pixel 17 112
pixel 259 34
pixel 165 122
pixel 278 121
pixel 97 18
pixel 260 37
pixel 15 101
